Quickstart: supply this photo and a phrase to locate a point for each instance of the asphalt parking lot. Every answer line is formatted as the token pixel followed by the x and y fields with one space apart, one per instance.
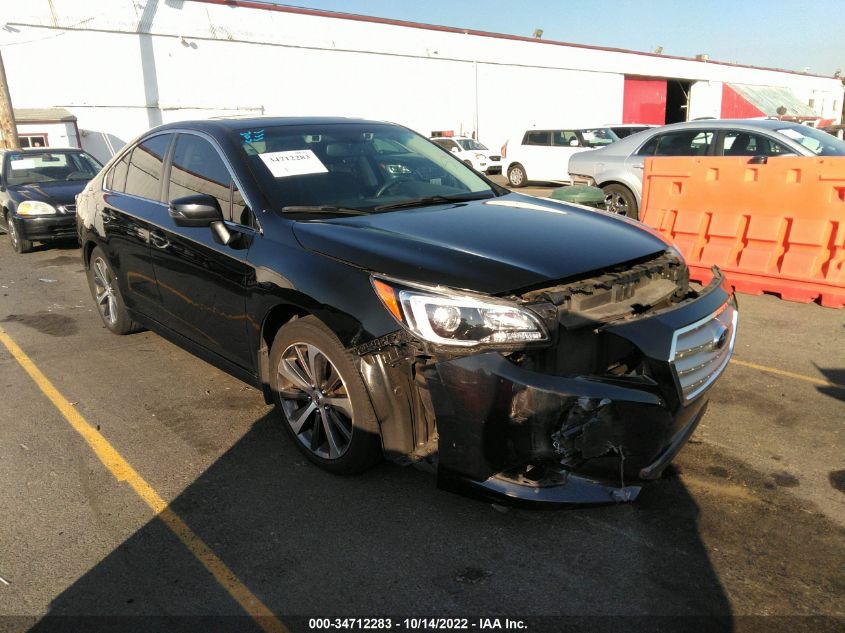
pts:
pixel 750 522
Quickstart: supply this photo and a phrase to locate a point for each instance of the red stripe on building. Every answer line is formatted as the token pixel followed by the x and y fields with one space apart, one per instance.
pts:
pixel 644 101
pixel 735 106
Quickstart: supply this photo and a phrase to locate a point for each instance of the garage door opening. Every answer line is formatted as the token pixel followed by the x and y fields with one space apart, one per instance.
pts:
pixel 677 100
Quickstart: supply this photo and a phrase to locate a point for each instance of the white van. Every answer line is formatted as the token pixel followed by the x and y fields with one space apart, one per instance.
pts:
pixel 543 155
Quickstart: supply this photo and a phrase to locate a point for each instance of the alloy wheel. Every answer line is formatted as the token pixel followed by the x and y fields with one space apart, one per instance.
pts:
pixel 104 288
pixel 616 203
pixel 315 401
pixel 517 176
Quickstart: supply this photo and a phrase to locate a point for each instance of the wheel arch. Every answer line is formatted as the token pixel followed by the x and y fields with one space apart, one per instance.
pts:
pixel 621 183
pixel 87 248
pixel 276 317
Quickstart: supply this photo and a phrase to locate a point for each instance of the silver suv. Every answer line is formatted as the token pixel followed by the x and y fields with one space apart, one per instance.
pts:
pixel 618 168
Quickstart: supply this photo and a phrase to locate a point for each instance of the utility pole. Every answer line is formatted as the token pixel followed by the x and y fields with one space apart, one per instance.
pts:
pixel 7 116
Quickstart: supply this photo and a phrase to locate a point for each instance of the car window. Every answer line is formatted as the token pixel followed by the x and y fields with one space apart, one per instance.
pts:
pixel 566 138
pixel 117 176
pixel 686 143
pixel 739 143
pixel 537 138
pixel 343 165
pixel 817 141
pixel 388 146
pixel 143 176
pixel 597 137
pixel 471 145
pixel 23 168
pixel 446 144
pixel 623 132
pixel 197 168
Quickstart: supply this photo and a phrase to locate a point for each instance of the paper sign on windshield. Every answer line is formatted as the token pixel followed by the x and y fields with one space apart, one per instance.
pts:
pixel 22 163
pixel 298 162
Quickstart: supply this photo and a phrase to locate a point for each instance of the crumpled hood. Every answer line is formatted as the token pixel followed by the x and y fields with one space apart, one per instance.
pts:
pixel 54 193
pixel 492 246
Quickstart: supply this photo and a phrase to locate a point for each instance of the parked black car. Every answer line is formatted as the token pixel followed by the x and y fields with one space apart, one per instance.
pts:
pixel 37 191
pixel 391 301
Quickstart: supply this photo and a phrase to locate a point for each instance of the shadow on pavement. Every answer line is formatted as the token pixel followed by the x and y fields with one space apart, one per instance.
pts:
pixel 308 543
pixel 837 377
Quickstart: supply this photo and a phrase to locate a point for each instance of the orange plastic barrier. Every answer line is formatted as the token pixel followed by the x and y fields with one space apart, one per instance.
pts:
pixel 776 227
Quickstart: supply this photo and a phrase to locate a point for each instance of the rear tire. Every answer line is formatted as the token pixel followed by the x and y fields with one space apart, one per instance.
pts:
pixel 517 176
pixel 619 199
pixel 106 293
pixel 321 398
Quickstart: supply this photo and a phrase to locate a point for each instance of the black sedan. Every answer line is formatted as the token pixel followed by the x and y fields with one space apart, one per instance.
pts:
pixel 38 188
pixel 392 302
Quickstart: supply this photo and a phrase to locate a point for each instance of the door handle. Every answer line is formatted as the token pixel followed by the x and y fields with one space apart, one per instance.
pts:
pixel 159 240
pixel 638 166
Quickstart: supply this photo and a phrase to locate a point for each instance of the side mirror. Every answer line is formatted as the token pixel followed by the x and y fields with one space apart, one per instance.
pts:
pixel 574 143
pixel 196 210
pixel 200 210
pixel 454 150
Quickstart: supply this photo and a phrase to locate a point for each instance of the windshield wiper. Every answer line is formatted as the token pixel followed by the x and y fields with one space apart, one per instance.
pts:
pixel 322 208
pixel 422 202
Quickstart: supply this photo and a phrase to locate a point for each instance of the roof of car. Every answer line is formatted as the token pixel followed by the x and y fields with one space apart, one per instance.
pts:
pixel 42 150
pixel 232 123
pixel 629 142
pixel 759 123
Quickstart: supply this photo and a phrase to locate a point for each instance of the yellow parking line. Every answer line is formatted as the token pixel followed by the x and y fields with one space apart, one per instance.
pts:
pixel 123 471
pixel 788 374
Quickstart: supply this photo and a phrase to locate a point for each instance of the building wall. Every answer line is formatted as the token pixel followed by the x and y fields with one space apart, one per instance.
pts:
pixel 146 62
pixel 705 100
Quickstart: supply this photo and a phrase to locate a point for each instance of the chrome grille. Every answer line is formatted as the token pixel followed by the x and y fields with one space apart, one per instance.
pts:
pixel 68 208
pixel 701 351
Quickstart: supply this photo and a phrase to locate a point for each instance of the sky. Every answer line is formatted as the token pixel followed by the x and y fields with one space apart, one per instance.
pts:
pixel 773 33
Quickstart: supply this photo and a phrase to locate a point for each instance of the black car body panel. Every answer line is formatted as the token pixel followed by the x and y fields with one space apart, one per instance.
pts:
pixel 490 246
pixel 579 418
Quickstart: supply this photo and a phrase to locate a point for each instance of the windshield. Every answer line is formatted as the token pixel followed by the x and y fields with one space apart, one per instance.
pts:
pixel 819 142
pixel 25 168
pixel 598 137
pixel 471 145
pixel 355 166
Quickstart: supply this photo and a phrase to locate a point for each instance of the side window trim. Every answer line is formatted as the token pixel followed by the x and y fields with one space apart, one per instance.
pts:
pixel 127 153
pixel 108 182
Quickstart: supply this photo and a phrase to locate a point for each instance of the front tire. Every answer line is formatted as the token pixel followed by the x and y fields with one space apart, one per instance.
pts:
pixel 321 398
pixel 619 199
pixel 104 288
pixel 19 245
pixel 517 176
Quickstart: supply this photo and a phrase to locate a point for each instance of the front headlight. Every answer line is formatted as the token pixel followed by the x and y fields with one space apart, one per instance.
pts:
pixel 444 317
pixel 33 207
pixel 480 157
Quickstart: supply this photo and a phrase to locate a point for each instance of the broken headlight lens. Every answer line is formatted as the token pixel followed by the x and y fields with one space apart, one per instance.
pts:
pixel 440 316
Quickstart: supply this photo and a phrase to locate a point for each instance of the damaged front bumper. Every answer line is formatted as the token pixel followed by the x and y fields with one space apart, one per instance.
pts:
pixel 506 431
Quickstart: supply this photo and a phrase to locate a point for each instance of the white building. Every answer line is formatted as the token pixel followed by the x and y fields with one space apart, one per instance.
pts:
pixel 122 66
pixel 47 127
